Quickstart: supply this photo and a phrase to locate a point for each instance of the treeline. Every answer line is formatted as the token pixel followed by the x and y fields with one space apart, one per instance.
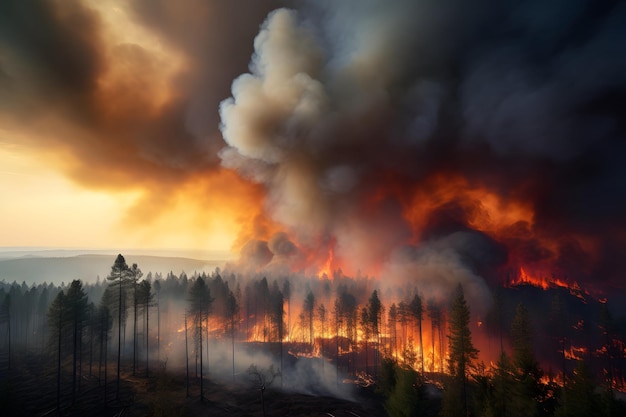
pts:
pixel 396 339
pixel 515 387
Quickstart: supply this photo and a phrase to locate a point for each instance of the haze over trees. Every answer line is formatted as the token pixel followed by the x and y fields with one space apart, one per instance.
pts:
pixel 369 336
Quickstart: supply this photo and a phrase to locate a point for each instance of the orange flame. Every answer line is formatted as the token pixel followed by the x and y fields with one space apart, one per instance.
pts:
pixel 544 283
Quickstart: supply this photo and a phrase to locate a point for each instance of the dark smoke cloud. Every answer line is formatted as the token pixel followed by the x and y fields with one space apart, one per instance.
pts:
pixel 114 111
pixel 346 110
pixel 349 106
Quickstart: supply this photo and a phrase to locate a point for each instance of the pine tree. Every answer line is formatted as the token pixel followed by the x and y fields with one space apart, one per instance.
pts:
pixel 527 392
pixel 462 355
pixel 145 299
pixel 417 311
pixel 232 309
pixel 119 276
pixel 135 275
pixel 374 313
pixel 58 315
pixel 76 301
pixel 309 308
pixel 579 398
pixel 366 331
pixel 199 305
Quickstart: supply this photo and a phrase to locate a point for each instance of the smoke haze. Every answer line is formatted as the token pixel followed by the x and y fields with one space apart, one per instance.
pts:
pixel 440 142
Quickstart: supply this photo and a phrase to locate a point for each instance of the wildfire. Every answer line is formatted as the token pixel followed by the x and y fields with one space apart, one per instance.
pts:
pixel 327 270
pixel 575 353
pixel 545 283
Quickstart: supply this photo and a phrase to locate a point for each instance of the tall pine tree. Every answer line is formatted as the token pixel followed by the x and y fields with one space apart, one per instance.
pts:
pixel 462 355
pixel 119 277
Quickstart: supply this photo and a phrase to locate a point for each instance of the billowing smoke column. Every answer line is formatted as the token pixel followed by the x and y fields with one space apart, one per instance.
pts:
pixel 406 139
pixel 439 142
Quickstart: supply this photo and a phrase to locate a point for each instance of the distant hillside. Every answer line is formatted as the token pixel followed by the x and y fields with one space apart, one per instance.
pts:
pixel 37 269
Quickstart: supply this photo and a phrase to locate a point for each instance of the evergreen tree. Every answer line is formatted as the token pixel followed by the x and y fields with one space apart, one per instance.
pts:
pixel 366 326
pixel 58 315
pixel 232 308
pixel 145 299
pixel 579 398
pixel 287 296
pixel 135 275
pixel 374 314
pixel 527 393
pixel 393 332
pixel 76 300
pixel 407 397
pixel 157 289
pixel 434 312
pixel 119 276
pixel 321 313
pixel 199 306
pixel 417 311
pixel 462 355
pixel 309 309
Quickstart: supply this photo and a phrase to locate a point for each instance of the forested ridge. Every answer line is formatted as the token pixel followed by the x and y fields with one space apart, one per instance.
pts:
pixel 417 355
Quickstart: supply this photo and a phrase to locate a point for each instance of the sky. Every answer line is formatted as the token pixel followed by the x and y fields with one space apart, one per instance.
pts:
pixel 448 140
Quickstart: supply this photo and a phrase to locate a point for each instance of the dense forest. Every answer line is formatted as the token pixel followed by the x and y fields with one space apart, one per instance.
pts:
pixel 549 353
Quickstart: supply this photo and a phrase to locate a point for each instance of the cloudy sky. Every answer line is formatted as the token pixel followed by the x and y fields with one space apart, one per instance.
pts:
pixel 384 136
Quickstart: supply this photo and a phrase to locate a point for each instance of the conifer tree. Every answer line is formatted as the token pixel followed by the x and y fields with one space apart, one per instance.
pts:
pixel 199 305
pixel 76 301
pixel 232 309
pixel 579 398
pixel 57 318
pixel 374 313
pixel 527 393
pixel 119 276
pixel 462 355
pixel 135 275
pixel 417 311
pixel 309 308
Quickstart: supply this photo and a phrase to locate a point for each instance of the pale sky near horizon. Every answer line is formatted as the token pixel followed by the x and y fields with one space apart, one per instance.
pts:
pixel 43 208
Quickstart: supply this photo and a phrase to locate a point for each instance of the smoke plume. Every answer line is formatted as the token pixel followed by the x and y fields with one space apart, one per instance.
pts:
pixel 440 142
pixel 436 141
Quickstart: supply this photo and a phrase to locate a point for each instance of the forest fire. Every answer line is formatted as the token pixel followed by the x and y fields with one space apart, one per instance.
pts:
pixel 544 283
pixel 413 191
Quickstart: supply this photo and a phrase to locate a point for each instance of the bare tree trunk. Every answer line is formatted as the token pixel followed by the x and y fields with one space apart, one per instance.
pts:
pixel 106 351
pixel 74 354
pixel 147 341
pixel 421 345
pixel 186 356
pixel 134 327
pixel 119 340
pixel 158 326
pixel 58 365
pixel 201 370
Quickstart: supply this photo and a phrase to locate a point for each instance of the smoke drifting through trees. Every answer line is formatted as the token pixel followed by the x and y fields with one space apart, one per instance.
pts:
pixel 236 320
